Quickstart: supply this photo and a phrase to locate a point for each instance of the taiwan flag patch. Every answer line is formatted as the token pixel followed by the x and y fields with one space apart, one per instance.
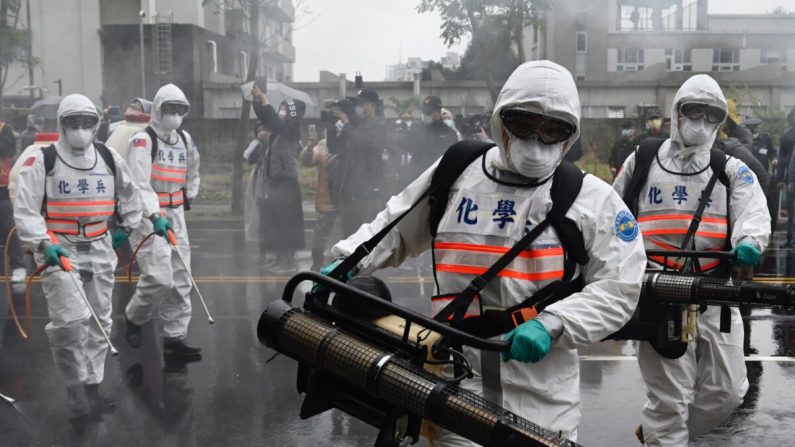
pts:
pixel 29 161
pixel 139 142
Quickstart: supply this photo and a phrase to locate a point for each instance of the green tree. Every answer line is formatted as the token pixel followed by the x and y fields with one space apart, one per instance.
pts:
pixel 476 18
pixel 250 12
pixel 14 42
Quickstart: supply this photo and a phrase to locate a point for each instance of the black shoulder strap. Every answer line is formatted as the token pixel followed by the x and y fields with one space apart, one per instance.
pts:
pixel 454 161
pixel 153 139
pixel 566 186
pixel 49 158
pixel 717 162
pixel 107 156
pixel 644 156
pixel 181 134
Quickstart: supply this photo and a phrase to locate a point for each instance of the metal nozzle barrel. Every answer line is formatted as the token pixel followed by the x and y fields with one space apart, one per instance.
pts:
pixel 382 375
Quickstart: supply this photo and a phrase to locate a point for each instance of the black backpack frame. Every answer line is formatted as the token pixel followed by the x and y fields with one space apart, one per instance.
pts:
pixel 566 186
pixel 653 320
pixel 154 138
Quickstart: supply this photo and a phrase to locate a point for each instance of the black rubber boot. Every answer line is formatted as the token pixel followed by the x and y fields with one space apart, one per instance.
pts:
pixel 98 402
pixel 179 350
pixel 133 334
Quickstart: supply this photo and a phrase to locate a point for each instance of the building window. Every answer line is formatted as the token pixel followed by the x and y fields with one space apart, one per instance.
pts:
pixel 615 112
pixel 678 60
pixel 582 42
pixel 775 57
pixel 725 59
pixel 630 59
pixel 582 20
pixel 634 18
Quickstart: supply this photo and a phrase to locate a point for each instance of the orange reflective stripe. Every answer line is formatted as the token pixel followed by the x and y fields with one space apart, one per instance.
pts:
pixel 537 253
pixel 653 217
pixel 472 270
pixel 676 265
pixel 80 214
pixel 101 230
pixel 169 179
pixel 104 202
pixel 664 231
pixel 171 170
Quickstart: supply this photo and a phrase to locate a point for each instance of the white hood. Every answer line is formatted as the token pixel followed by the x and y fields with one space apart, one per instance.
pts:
pixel 166 93
pixel 698 88
pixel 74 105
pixel 540 87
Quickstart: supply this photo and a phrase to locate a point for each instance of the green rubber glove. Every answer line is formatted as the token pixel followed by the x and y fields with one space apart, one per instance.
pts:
pixel 745 253
pixel 53 253
pixel 161 225
pixel 118 238
pixel 530 342
pixel 326 271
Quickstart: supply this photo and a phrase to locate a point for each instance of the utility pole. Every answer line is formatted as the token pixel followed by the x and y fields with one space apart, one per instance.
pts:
pixel 30 49
pixel 142 15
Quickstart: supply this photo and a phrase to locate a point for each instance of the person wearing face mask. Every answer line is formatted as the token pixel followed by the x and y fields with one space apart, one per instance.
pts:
pixel 654 126
pixel 165 165
pixel 695 387
pixel 432 137
pixel 501 198
pixel 623 147
pixel 281 226
pixel 447 119
pixel 358 142
pixel 66 194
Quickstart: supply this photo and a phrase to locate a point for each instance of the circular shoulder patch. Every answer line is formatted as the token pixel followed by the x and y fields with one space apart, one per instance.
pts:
pixel 626 226
pixel 744 174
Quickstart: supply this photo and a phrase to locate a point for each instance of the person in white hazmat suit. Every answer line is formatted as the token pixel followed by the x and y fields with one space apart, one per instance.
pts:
pixel 538 95
pixel 692 394
pixel 73 200
pixel 168 178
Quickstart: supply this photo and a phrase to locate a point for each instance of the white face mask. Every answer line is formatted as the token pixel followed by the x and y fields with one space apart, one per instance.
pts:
pixel 450 123
pixel 360 111
pixel 79 138
pixel 171 122
pixel 427 119
pixel 534 159
pixel 696 132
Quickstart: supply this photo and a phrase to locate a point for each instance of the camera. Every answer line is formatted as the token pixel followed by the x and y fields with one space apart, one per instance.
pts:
pixel 327 117
pixel 474 123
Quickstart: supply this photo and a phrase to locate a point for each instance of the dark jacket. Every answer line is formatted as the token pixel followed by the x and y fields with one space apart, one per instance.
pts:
pixel 359 172
pixel 427 143
pixel 785 148
pixel 8 142
pixel 736 149
pixel 764 151
pixel 281 157
pixel 620 151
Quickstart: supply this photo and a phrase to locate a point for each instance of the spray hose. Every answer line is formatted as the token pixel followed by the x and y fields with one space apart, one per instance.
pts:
pixel 6 261
pixel 135 256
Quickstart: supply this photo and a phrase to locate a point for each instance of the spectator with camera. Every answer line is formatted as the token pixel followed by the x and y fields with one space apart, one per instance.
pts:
pixel 430 139
pixel 356 175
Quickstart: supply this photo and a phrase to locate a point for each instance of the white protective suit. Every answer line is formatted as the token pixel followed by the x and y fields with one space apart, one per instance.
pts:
pixel 163 286
pixel 469 237
pixel 689 396
pixel 79 196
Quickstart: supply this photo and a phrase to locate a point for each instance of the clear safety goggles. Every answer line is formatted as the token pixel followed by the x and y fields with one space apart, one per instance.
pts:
pixel 171 108
pixel 79 121
pixel 523 124
pixel 698 110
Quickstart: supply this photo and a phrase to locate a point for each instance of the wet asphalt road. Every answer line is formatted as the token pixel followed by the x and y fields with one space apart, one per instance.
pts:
pixel 234 397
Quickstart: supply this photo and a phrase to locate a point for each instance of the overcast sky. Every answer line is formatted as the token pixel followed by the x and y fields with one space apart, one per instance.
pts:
pixel 345 36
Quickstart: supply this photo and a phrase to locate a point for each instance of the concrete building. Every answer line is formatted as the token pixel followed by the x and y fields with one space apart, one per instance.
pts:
pixel 414 65
pixel 93 47
pixel 627 55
